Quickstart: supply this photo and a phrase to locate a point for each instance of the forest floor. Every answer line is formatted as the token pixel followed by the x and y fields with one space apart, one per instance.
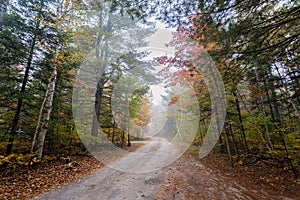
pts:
pixel 27 183
pixel 186 178
pixel 260 177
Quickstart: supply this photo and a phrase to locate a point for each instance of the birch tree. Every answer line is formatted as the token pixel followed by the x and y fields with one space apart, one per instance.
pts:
pixel 63 16
pixel 28 66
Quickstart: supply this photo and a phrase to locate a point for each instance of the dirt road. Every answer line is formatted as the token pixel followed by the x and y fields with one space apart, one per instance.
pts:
pixel 183 179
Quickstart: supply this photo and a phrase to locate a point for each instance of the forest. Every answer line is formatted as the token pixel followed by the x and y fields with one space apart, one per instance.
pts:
pixel 65 62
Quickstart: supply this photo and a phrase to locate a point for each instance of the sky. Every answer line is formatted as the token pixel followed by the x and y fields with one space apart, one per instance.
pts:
pixel 157 46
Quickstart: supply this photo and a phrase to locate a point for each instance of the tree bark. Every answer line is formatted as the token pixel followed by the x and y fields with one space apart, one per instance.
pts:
pixel 233 141
pixel 46 114
pixel 227 146
pixel 15 121
pixel 98 101
pixel 238 109
pixel 114 132
pixel 39 122
pixel 128 139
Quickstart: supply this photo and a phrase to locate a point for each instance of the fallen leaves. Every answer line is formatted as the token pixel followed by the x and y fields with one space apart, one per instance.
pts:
pixel 29 183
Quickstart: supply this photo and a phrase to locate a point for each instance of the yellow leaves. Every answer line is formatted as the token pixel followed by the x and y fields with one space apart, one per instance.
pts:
pixel 36 7
pixel 8 158
pixel 138 121
pixel 18 159
pixel 49 15
pixel 66 4
pixel 240 162
pixel 142 113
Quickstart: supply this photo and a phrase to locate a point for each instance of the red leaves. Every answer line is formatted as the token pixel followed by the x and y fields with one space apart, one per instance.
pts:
pixel 64 116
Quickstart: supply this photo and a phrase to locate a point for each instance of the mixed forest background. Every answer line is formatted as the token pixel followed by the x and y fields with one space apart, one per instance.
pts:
pixel 254 44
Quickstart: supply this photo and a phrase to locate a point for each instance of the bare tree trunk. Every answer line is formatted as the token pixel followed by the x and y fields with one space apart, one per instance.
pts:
pixel 98 101
pixel 236 151
pixel 227 146
pixel 46 114
pixel 122 138
pixel 114 122
pixel 114 132
pixel 275 105
pixel 270 104
pixel 128 139
pixel 39 121
pixel 200 131
pixel 238 109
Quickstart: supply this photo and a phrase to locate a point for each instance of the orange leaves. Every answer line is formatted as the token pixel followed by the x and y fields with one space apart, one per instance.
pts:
pixel 191 61
pixel 173 100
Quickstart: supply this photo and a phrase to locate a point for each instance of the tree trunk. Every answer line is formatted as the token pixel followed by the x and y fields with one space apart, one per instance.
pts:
pixel 122 138
pixel 275 105
pixel 262 107
pixel 114 132
pixel 235 148
pixel 39 122
pixel 103 55
pixel 238 109
pixel 15 121
pixel 287 156
pixel 98 101
pixel 114 121
pixel 46 114
pixel 270 104
pixel 3 8
pixel 128 139
pixel 227 146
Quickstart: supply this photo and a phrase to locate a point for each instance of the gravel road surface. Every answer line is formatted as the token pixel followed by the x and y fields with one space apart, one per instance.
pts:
pixel 183 179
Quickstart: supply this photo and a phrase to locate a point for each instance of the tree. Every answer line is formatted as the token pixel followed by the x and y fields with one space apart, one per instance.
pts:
pixel 61 33
pixel 114 51
pixel 3 8
pixel 129 93
pixel 28 65
pixel 40 37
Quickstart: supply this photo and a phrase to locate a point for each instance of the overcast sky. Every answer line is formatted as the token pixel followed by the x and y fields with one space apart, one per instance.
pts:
pixel 157 46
